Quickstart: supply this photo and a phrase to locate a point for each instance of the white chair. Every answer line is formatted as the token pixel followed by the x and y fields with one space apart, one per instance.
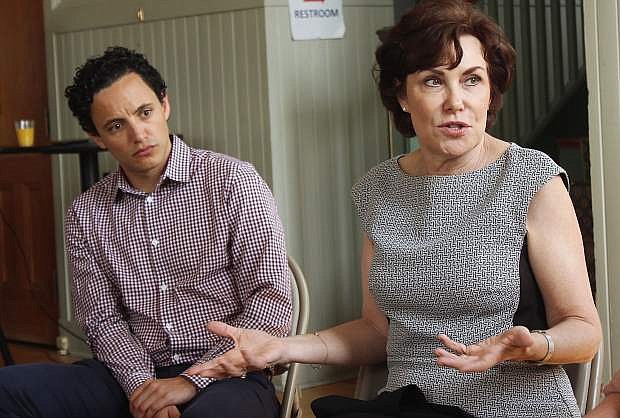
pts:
pixel 370 379
pixel 585 379
pixel 301 309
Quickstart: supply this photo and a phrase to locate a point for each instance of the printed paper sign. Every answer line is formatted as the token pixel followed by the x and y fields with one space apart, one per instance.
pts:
pixel 316 19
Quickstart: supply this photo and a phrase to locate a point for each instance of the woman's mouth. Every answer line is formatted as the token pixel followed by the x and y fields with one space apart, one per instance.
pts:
pixel 454 129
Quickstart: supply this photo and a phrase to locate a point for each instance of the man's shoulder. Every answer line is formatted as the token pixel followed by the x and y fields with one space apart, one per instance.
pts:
pixel 220 166
pixel 99 195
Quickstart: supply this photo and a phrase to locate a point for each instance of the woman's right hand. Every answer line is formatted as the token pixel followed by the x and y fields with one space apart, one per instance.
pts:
pixel 254 350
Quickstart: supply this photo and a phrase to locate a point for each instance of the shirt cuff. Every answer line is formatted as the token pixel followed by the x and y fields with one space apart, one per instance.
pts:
pixel 134 381
pixel 198 381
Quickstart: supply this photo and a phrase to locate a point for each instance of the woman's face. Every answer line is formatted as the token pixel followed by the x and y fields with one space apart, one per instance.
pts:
pixel 449 107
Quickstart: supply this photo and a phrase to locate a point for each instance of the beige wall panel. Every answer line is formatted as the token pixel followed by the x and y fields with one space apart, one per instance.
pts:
pixel 327 129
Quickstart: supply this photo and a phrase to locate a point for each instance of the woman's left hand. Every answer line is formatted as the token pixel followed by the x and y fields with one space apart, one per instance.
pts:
pixel 512 344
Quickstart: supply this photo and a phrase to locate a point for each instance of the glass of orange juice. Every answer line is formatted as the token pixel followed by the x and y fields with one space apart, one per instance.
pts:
pixel 24 128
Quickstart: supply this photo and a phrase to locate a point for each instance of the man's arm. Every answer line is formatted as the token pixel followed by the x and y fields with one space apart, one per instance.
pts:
pixel 608 408
pixel 97 309
pixel 258 257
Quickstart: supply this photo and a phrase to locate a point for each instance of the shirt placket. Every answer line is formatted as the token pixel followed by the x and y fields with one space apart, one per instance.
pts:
pixel 158 245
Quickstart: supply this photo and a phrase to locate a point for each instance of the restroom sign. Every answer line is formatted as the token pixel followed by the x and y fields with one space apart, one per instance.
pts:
pixel 316 19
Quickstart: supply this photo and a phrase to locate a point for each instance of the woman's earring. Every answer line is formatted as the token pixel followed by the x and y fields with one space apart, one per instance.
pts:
pixel 404 109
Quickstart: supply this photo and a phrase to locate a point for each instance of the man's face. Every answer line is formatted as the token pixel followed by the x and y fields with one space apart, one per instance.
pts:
pixel 132 125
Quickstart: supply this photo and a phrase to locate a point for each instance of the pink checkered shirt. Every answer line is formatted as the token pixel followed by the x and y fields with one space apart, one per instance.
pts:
pixel 150 270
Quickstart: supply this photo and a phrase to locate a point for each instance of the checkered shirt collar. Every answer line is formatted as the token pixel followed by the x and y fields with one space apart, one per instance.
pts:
pixel 178 168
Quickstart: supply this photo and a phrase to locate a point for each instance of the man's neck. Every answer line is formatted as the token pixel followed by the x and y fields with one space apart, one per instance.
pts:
pixel 146 183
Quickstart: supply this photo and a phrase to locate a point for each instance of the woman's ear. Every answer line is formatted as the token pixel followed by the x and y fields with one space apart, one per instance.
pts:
pixel 401 96
pixel 403 105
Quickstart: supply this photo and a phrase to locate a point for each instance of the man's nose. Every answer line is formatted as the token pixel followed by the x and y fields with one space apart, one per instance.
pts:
pixel 137 132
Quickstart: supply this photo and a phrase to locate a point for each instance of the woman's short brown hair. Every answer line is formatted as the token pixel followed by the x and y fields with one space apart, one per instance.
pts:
pixel 426 37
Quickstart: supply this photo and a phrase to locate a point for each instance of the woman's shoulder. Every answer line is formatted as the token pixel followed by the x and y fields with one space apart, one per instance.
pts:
pixel 529 157
pixel 536 166
pixel 379 172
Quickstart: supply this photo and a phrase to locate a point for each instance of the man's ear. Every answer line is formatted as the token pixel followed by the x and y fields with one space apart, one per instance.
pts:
pixel 97 140
pixel 165 104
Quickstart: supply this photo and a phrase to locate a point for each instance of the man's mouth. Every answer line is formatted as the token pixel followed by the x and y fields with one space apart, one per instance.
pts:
pixel 144 152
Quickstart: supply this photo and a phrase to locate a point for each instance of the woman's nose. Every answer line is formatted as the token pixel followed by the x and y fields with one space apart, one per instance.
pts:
pixel 454 100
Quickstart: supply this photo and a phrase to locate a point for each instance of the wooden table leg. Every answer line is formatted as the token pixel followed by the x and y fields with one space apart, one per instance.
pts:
pixel 4 349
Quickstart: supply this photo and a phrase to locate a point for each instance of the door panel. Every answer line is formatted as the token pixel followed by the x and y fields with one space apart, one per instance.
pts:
pixel 28 298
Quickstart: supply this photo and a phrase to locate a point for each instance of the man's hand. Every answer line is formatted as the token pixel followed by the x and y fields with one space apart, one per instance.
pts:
pixel 512 344
pixel 168 412
pixel 159 397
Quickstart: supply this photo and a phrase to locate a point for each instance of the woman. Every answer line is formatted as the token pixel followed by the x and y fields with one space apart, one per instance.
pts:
pixel 473 270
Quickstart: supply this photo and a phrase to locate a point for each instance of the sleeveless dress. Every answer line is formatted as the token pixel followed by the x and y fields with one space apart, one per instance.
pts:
pixel 446 260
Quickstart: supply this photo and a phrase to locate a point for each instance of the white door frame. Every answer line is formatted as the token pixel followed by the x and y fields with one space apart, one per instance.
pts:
pixel 602 48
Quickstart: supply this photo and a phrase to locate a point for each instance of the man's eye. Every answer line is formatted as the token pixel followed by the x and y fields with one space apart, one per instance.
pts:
pixel 147 112
pixel 114 127
pixel 472 80
pixel 432 82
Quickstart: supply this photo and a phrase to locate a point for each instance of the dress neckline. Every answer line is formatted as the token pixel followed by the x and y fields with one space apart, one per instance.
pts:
pixel 488 167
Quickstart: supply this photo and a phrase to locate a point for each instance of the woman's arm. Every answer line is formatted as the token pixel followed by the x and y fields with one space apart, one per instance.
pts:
pixel 356 342
pixel 353 343
pixel 556 255
pixel 557 260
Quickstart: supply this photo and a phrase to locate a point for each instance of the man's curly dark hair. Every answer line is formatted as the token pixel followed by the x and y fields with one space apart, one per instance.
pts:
pixel 100 72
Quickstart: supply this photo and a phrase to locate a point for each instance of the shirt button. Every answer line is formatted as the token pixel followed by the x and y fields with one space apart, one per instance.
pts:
pixel 168 326
pixel 176 357
pixel 149 199
pixel 163 287
pixel 154 242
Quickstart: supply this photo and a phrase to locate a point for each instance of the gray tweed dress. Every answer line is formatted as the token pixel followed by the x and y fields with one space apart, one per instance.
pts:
pixel 446 260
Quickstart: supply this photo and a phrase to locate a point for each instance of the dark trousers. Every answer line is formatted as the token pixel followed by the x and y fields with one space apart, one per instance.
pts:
pixel 406 402
pixel 86 389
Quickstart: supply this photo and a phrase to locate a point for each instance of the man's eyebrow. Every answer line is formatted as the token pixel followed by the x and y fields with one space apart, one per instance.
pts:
pixel 142 107
pixel 111 121
pixel 139 110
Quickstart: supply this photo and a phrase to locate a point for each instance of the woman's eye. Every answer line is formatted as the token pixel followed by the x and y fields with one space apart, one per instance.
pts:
pixel 432 82
pixel 472 80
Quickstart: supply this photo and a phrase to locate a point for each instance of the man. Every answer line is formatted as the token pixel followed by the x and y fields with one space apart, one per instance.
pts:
pixel 609 407
pixel 173 239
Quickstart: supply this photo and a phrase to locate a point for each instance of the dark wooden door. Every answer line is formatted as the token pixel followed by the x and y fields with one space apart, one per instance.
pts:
pixel 26 200
pixel 28 297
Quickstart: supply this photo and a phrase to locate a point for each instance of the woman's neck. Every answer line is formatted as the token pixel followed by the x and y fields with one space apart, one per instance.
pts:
pixel 423 162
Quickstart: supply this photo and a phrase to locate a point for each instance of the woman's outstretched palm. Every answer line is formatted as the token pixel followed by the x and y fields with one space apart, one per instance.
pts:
pixel 254 350
pixel 509 345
